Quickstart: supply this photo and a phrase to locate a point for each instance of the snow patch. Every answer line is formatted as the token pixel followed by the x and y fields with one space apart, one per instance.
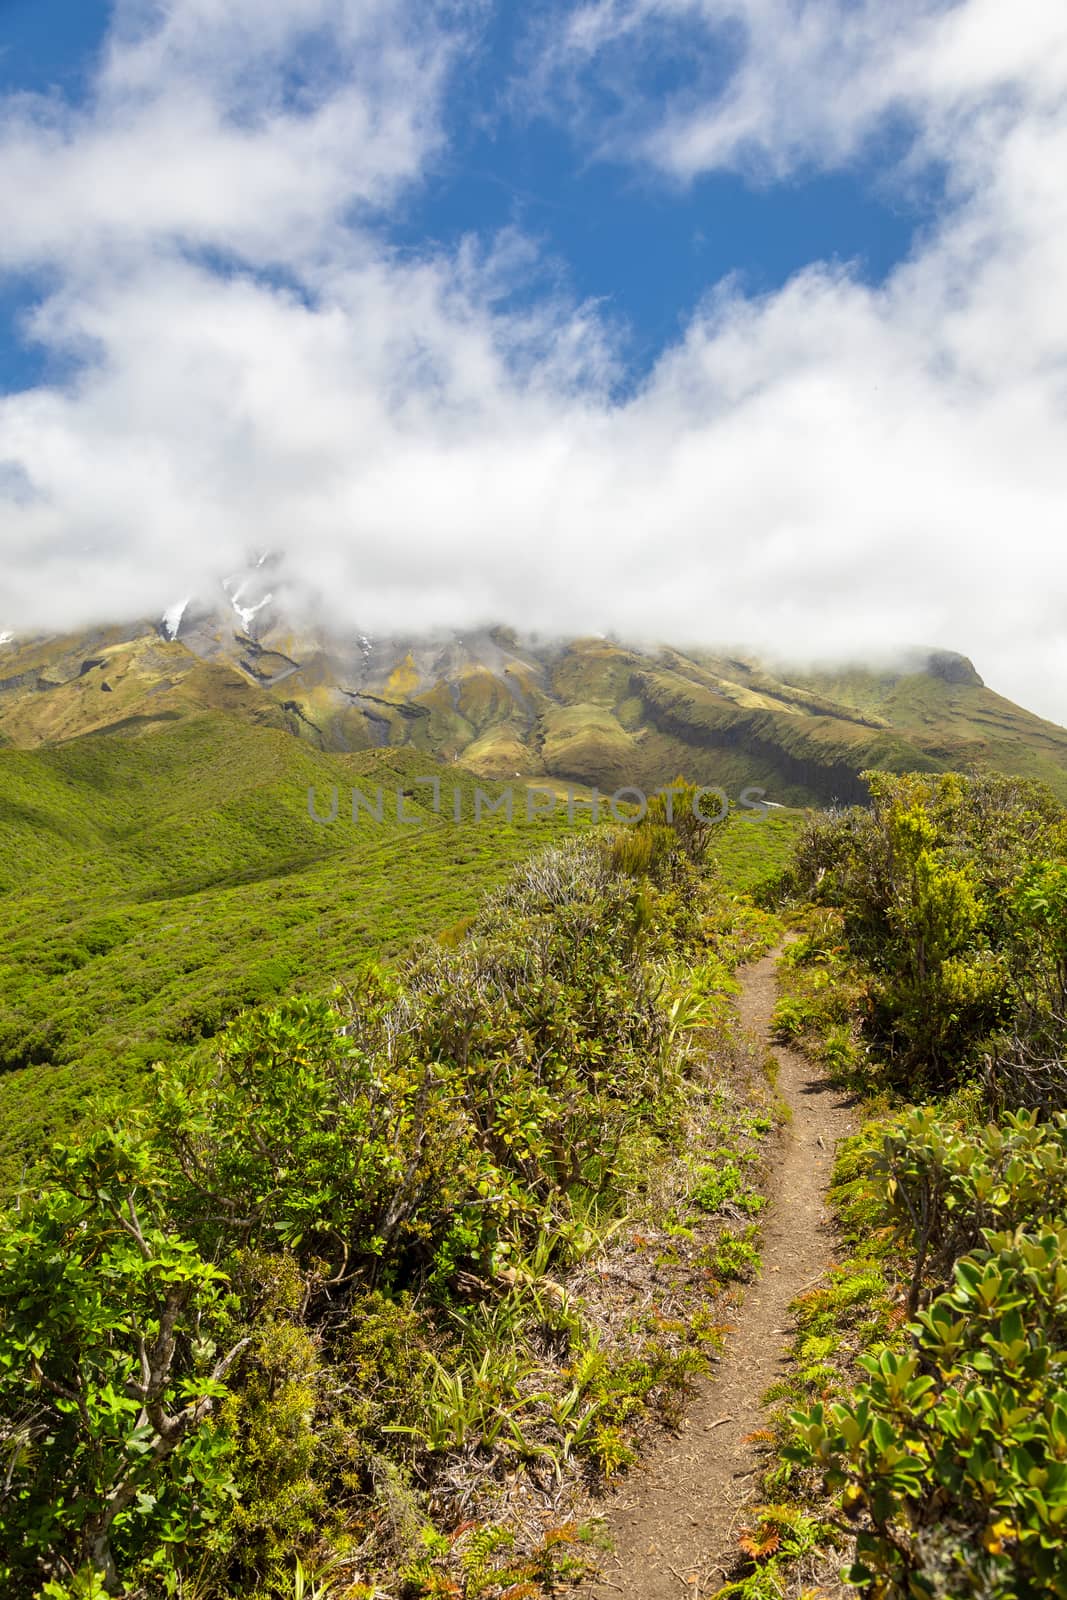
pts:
pixel 246 613
pixel 172 617
pixel 233 595
pixel 6 638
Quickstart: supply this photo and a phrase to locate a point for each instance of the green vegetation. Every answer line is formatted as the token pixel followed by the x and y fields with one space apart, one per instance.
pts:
pixel 592 710
pixel 151 888
pixel 949 1454
pixel 951 891
pixel 753 851
pixel 820 988
pixel 299 1322
pixel 588 744
pixel 931 1433
pixel 363 1123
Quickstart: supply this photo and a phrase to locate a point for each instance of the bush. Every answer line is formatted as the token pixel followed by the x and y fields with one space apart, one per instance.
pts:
pixel 358 1162
pixel 109 1375
pixel 951 1457
pixel 949 886
pixel 944 1185
pixel 228 1326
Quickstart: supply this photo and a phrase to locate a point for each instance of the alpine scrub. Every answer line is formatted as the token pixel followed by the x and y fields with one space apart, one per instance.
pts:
pixel 109 1375
pixel 955 1450
pixel 950 891
pixel 944 1455
pixel 302 1307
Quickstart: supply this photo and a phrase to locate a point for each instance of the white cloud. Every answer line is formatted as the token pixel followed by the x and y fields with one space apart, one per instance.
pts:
pixel 833 467
pixel 775 85
pixel 196 134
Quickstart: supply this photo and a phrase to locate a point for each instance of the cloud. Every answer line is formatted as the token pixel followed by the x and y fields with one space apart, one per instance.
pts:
pixel 832 468
pixel 228 127
pixel 773 86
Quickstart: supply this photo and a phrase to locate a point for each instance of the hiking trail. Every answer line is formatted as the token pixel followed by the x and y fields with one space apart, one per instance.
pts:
pixel 676 1521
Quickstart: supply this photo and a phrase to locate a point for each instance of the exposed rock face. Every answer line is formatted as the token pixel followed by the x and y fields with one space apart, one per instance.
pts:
pixel 951 668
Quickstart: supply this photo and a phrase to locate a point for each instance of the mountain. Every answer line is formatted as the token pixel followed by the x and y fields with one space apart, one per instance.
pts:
pixel 592 711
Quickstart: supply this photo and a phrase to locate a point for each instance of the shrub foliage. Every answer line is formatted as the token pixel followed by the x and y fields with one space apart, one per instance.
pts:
pixel 259 1319
pixel 948 1461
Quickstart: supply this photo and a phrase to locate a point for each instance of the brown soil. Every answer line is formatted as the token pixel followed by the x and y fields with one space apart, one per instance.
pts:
pixel 676 1523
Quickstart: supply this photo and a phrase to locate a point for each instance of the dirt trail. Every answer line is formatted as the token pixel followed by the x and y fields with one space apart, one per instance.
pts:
pixel 675 1525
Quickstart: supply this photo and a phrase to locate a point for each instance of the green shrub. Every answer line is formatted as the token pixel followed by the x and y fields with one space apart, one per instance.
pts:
pixel 951 1457
pixel 356 1161
pixel 724 1185
pixel 110 1372
pixel 952 894
pixel 944 1185
pixel 736 1256
pixel 307 1234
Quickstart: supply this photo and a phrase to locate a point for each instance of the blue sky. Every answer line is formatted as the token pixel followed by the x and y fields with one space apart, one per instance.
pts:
pixel 719 321
pixel 50 44
pixel 647 250
pixel 46 47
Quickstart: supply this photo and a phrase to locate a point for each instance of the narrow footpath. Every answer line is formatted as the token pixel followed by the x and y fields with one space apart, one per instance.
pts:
pixel 678 1516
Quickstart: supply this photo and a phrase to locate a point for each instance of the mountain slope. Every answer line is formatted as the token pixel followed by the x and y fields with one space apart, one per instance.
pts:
pixel 590 711
pixel 116 680
pixel 152 886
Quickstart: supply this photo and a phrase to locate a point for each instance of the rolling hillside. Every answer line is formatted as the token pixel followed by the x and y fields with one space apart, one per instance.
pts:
pixel 588 711
pixel 150 887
